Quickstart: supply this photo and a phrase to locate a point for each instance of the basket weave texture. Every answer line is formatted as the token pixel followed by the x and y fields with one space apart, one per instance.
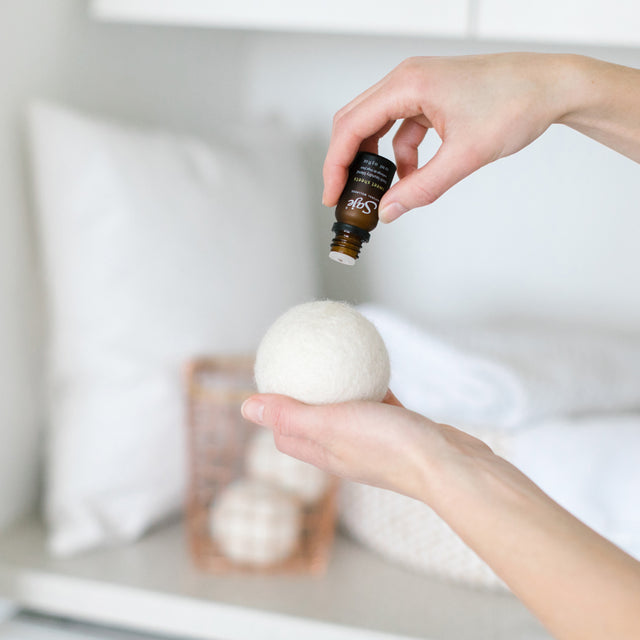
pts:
pixel 218 437
pixel 409 533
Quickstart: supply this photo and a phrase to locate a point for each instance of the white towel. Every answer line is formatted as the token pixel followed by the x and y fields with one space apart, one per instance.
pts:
pixel 589 465
pixel 509 376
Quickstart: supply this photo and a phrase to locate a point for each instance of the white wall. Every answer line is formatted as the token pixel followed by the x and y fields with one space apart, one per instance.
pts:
pixel 23 67
pixel 551 232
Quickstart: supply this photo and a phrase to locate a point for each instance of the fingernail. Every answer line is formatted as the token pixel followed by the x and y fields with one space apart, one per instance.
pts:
pixel 392 211
pixel 253 410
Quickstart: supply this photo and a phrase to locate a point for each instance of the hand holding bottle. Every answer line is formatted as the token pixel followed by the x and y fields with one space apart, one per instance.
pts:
pixel 483 108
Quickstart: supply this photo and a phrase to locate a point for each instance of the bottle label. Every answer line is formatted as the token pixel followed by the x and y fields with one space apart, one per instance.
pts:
pixel 370 176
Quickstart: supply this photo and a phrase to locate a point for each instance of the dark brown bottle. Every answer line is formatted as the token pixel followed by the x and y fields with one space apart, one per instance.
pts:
pixel 370 177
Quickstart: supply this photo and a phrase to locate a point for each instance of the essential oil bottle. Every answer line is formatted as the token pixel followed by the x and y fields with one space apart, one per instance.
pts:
pixel 370 176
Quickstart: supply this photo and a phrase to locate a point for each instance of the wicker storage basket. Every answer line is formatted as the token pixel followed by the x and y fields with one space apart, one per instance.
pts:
pixel 217 443
pixel 408 532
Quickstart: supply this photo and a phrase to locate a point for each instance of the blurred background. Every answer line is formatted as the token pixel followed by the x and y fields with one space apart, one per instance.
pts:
pixel 547 235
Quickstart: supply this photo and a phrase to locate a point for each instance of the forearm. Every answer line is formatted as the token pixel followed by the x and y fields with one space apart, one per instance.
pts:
pixel 577 583
pixel 603 102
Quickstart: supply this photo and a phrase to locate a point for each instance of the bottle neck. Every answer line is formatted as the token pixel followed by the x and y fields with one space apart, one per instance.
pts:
pixel 347 242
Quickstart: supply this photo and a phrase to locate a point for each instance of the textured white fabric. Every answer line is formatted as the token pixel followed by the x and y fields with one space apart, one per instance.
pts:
pixel 589 465
pixel 409 533
pixel 263 461
pixel 323 352
pixel 508 376
pixel 156 247
pixel 255 523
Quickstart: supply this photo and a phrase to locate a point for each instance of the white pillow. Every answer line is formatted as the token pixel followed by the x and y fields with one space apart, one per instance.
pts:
pixel 156 247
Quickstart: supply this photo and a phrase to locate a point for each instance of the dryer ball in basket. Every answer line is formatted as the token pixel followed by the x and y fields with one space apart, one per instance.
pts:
pixel 265 462
pixel 323 352
pixel 255 523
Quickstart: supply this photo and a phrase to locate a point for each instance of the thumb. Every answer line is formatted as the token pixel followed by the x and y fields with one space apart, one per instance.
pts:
pixel 448 166
pixel 291 418
pixel 284 414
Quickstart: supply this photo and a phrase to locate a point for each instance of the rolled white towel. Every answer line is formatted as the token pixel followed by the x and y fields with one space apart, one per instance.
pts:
pixel 508 376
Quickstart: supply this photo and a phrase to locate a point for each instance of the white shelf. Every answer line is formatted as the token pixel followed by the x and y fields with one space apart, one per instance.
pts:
pixel 152 587
pixel 610 22
pixel 444 18
pixel 603 22
pixel 26 625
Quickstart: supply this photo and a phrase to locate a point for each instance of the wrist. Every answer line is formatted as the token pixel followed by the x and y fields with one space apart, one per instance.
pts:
pixel 464 476
pixel 454 465
pixel 569 92
pixel 605 104
pixel 592 90
pixel 476 491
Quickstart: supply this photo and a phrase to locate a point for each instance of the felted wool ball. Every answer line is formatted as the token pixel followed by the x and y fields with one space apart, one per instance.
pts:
pixel 255 523
pixel 264 462
pixel 323 352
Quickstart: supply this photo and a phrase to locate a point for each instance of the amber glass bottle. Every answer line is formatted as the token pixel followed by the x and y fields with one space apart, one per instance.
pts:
pixel 370 177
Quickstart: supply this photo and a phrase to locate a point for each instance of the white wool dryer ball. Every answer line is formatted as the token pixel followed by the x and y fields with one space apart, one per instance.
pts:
pixel 265 462
pixel 255 523
pixel 323 352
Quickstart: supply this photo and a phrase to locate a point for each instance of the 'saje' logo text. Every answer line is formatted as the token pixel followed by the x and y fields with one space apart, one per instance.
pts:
pixel 358 204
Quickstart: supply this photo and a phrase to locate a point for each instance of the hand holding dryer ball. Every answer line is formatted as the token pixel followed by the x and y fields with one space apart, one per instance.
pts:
pixel 323 352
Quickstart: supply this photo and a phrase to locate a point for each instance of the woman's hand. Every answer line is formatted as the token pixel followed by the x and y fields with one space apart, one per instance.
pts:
pixel 381 444
pixel 482 108
pixel 579 585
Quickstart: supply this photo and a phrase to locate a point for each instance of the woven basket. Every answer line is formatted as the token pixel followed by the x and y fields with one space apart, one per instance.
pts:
pixel 217 441
pixel 409 533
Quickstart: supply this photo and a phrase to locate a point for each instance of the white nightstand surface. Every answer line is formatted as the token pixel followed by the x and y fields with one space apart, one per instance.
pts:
pixel 152 586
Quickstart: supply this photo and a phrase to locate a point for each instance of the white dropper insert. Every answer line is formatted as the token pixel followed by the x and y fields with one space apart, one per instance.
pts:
pixel 342 258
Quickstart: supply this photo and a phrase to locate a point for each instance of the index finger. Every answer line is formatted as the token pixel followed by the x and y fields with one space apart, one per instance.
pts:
pixel 368 120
